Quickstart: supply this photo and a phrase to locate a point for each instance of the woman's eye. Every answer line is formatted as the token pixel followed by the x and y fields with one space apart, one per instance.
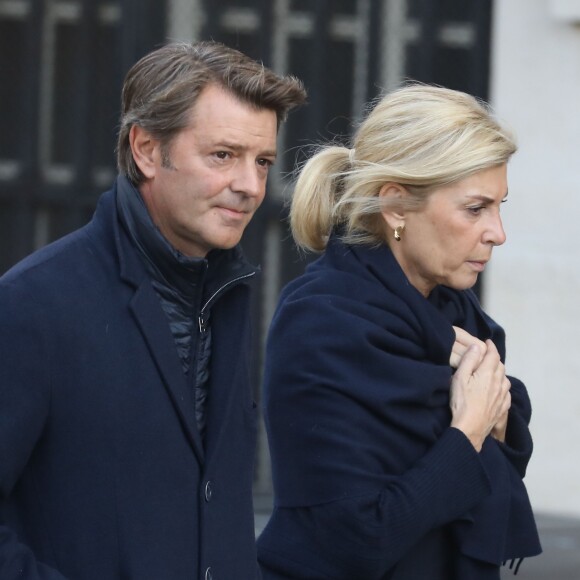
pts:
pixel 475 210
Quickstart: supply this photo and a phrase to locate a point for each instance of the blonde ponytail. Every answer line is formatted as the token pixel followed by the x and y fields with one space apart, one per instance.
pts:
pixel 316 192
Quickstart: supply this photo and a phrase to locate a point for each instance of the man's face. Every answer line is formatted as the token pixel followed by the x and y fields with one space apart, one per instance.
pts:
pixel 205 193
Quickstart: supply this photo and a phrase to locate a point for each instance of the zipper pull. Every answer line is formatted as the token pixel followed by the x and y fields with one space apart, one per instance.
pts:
pixel 201 324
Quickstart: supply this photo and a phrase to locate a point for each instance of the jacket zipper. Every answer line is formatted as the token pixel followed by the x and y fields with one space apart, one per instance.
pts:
pixel 200 320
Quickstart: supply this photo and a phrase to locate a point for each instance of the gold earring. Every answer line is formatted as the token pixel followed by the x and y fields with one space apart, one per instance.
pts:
pixel 397 232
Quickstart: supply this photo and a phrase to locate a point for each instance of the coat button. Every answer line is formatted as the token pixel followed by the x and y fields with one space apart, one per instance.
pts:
pixel 208 494
pixel 208 575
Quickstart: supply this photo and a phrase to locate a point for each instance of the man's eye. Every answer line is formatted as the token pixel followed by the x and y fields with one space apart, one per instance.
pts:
pixel 475 210
pixel 222 154
pixel 265 163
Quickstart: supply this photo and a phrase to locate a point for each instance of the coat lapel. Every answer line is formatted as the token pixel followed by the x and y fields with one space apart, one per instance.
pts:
pixel 151 320
pixel 153 325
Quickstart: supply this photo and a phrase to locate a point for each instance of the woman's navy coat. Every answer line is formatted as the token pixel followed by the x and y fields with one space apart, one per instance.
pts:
pixel 102 471
pixel 370 481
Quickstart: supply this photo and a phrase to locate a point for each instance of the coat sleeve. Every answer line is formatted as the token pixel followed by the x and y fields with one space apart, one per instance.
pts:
pixel 24 404
pixel 518 445
pixel 365 536
pixel 502 526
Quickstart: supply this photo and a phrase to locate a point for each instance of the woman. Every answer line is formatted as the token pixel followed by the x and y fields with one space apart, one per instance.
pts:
pixel 398 443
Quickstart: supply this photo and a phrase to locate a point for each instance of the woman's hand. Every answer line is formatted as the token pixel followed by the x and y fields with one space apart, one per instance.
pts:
pixel 480 394
pixel 500 428
pixel 463 340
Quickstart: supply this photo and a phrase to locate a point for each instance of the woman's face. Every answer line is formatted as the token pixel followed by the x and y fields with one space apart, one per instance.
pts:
pixel 450 240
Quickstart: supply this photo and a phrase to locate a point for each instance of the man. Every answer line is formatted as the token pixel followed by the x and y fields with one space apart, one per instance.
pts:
pixel 126 415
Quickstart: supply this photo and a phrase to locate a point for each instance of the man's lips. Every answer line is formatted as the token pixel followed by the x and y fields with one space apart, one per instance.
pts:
pixel 235 213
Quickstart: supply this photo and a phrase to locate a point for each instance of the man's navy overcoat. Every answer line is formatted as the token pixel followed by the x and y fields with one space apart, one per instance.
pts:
pixel 102 471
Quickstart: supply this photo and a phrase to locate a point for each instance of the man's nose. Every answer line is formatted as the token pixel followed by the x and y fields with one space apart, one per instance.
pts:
pixel 248 179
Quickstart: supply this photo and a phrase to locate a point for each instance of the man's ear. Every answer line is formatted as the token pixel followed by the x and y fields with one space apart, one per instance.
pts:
pixel 143 147
pixel 393 194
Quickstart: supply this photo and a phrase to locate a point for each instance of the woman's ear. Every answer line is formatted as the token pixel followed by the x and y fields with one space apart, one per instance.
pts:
pixel 392 195
pixel 143 147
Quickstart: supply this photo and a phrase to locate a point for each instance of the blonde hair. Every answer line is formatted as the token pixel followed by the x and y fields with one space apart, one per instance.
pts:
pixel 421 137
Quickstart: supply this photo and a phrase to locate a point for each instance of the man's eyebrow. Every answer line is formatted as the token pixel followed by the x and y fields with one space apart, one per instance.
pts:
pixel 237 147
